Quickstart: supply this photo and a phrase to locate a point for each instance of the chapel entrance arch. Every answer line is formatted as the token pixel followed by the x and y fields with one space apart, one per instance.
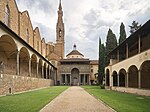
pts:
pixel 75 76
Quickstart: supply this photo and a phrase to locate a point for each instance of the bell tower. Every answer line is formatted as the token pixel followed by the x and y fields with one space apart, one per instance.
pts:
pixel 60 25
pixel 60 32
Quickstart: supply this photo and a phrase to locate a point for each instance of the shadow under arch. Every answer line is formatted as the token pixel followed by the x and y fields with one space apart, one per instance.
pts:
pixel 133 76
pixel 75 76
pixel 122 78
pixel 34 65
pixel 8 55
pixel 145 74
pixel 24 58
pixel 115 78
pixel 107 78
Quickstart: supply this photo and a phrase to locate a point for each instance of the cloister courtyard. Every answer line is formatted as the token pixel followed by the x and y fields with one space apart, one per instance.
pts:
pixel 54 57
pixel 74 99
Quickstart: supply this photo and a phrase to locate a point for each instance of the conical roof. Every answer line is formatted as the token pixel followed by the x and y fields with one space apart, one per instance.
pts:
pixel 75 52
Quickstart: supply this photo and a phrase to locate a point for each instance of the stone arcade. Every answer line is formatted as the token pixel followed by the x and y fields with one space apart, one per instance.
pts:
pixel 129 67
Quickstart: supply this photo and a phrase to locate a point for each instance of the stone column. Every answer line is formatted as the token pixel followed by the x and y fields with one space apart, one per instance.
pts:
pixel 46 73
pixel 60 79
pixel 139 45
pixel 70 79
pixel 65 79
pixel 127 80
pixel 118 80
pixel 42 72
pixel 18 71
pixel 84 80
pixel 112 80
pixel 105 79
pixel 89 80
pixel 30 67
pixel 37 70
pixel 127 51
pixel 79 79
pixel 49 73
pixel 118 55
pixel 139 79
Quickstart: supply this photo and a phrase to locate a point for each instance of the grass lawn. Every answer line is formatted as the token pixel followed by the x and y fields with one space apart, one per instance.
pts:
pixel 121 102
pixel 30 101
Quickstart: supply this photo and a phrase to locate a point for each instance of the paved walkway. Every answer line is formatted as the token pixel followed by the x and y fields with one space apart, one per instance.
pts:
pixel 75 99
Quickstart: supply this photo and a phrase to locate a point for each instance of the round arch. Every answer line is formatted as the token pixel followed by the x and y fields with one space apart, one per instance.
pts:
pixel 24 58
pixel 133 76
pixel 34 65
pixel 122 78
pixel 45 71
pixel 8 55
pixel 107 78
pixel 115 78
pixel 75 76
pixel 40 68
pixel 48 72
pixel 145 74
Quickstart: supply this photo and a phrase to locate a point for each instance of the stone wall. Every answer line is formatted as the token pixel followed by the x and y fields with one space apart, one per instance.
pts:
pixel 37 40
pixel 14 15
pixel 26 25
pixel 132 90
pixel 13 83
pixel 21 24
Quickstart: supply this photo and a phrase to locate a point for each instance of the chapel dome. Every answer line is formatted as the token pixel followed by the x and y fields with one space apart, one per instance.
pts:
pixel 75 53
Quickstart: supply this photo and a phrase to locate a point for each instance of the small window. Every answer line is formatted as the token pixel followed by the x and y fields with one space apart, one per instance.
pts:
pixel 27 36
pixel 7 15
pixel 92 70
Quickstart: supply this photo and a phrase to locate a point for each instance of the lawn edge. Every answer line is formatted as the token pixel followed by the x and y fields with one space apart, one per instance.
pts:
pixel 21 92
pixel 52 100
pixel 101 101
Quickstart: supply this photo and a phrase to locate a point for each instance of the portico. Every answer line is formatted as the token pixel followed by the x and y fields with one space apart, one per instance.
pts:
pixel 75 70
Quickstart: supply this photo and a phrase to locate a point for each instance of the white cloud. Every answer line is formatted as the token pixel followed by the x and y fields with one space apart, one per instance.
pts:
pixel 85 20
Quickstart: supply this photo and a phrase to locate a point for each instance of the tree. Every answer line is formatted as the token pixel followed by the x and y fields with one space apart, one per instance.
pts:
pixel 111 43
pixel 122 33
pixel 101 64
pixel 135 26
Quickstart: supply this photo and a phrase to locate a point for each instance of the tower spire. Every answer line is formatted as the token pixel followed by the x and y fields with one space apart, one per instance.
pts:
pixel 60 7
pixel 60 30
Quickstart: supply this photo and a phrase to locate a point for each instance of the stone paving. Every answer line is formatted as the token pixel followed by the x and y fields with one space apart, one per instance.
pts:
pixel 75 99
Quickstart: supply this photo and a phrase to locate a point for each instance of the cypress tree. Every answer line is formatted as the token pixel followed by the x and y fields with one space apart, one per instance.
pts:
pixel 122 33
pixel 111 43
pixel 101 66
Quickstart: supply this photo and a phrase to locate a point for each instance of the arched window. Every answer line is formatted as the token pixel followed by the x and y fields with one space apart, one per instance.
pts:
pixel 7 15
pixel 27 36
pixel 60 33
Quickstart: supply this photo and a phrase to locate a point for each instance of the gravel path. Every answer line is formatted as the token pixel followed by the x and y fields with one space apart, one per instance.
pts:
pixel 75 99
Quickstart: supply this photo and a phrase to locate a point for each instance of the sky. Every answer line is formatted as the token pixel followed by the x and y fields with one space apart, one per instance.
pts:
pixel 85 20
